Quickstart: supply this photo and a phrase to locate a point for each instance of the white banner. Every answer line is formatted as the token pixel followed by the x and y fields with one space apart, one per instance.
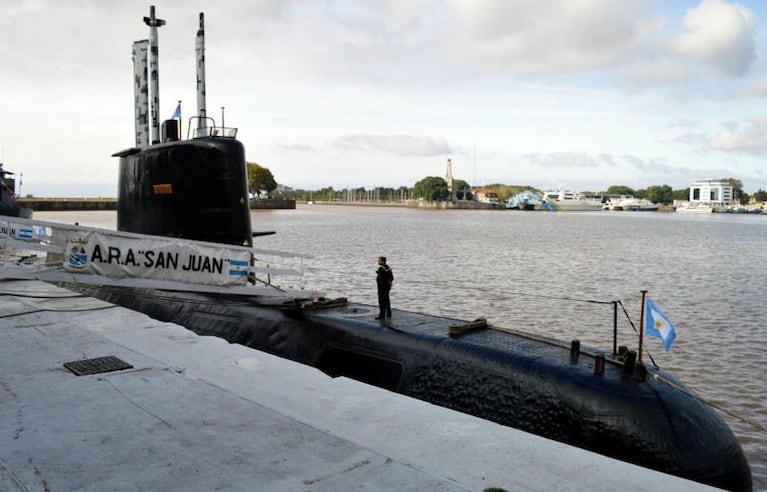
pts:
pixel 154 258
pixel 23 232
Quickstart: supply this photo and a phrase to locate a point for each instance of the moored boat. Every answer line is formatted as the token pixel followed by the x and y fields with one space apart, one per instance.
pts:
pixel 695 208
pixel 739 209
pixel 634 205
pixel 562 200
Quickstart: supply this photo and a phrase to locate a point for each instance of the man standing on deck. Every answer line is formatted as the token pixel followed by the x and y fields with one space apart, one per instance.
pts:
pixel 384 280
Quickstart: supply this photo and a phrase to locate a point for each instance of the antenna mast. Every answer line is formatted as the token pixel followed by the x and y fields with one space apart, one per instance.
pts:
pixel 200 51
pixel 154 69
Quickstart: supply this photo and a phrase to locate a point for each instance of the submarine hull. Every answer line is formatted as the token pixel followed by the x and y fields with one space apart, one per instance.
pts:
pixel 522 381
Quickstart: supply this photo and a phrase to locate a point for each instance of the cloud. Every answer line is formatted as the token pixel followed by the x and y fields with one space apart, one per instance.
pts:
pixel 267 8
pixel 562 160
pixel 604 170
pixel 609 160
pixel 401 145
pixel 757 86
pixel 648 166
pixel 405 13
pixel 298 148
pixel 721 34
pixel 750 138
pixel 697 139
pixel 683 123
pixel 549 36
pixel 657 72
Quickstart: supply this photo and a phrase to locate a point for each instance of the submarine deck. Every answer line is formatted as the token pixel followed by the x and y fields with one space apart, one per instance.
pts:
pixel 197 413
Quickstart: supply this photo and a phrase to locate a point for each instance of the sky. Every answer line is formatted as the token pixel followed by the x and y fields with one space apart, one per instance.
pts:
pixel 583 94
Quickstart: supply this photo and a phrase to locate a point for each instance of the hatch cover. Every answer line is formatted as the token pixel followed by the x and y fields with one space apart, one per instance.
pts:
pixel 97 365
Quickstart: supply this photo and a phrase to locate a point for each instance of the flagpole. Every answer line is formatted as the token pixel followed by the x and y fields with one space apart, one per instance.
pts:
pixel 641 329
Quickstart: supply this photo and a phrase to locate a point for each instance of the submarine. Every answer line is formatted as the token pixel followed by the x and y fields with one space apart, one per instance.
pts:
pixel 195 189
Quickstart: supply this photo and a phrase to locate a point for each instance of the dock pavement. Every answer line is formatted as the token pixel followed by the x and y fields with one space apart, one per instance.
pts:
pixel 197 413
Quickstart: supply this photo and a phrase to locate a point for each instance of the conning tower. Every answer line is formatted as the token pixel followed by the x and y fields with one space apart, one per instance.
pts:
pixel 194 188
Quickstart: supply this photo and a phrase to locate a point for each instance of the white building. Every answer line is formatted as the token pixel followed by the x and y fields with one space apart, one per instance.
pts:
pixel 486 195
pixel 711 191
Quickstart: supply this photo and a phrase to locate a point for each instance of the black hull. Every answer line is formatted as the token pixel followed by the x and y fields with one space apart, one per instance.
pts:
pixel 513 379
pixel 191 189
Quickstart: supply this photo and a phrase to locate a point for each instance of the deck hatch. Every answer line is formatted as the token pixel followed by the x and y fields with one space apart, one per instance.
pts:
pixel 97 365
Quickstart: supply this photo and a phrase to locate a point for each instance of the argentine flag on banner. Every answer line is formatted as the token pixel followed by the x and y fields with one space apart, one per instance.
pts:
pixel 656 324
pixel 238 267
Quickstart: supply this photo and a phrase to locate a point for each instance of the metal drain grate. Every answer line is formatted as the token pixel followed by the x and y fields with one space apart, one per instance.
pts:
pixel 97 365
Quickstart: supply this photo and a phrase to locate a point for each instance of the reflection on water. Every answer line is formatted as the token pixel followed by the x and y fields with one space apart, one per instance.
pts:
pixel 707 273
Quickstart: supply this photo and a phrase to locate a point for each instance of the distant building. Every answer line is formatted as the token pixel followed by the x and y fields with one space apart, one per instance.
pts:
pixel 485 195
pixel 712 191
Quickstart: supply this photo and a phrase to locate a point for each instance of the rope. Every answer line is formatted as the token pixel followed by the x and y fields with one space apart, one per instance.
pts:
pixel 689 393
pixel 695 396
pixel 647 351
pixel 427 282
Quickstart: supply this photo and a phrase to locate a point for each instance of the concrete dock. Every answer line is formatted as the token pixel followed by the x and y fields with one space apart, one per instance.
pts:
pixel 196 413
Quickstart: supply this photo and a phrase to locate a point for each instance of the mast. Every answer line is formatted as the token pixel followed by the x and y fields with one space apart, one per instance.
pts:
pixel 154 68
pixel 200 52
pixel 141 93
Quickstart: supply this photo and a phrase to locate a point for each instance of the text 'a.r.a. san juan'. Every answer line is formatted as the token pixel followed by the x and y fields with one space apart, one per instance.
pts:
pixel 113 255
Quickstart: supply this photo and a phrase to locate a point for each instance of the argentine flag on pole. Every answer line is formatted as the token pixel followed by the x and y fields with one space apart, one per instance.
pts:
pixel 656 324
pixel 176 113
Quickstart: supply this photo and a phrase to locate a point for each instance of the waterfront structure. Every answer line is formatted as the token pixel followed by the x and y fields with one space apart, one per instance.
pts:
pixel 486 195
pixel 711 191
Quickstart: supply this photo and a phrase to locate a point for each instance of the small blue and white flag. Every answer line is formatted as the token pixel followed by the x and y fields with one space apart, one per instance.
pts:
pixel 176 113
pixel 656 324
pixel 24 233
pixel 238 267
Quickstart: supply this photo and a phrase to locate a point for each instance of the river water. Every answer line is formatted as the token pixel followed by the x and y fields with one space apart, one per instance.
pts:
pixel 534 271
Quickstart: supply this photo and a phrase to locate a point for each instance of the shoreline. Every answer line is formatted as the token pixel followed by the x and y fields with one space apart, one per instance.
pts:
pixel 60 204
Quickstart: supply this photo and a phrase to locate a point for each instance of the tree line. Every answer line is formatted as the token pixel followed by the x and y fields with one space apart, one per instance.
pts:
pixel 435 188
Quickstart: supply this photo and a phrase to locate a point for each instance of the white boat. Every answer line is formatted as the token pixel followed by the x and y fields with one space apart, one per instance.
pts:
pixel 563 200
pixel 695 208
pixel 634 205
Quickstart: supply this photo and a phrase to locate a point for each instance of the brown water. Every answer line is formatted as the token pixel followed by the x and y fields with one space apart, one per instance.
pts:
pixel 532 270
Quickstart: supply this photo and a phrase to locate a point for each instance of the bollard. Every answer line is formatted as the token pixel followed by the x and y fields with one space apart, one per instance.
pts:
pixel 630 362
pixel 575 348
pixel 599 364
